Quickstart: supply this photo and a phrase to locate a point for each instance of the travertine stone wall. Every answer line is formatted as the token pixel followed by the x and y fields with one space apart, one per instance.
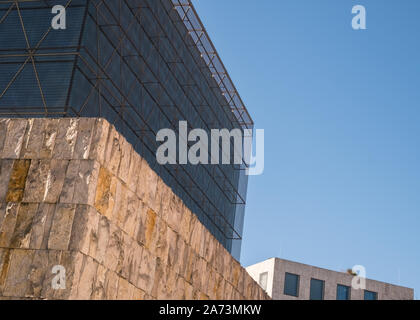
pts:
pixel 73 192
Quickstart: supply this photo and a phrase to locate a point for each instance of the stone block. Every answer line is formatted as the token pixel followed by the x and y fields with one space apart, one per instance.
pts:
pixel 177 253
pixel 235 274
pixel 165 283
pixel 105 193
pixel 162 244
pixel 190 268
pixel 41 226
pixel 147 185
pixel 236 295
pixel 173 252
pixel 179 293
pixel 106 284
pixel 14 139
pixel 113 152
pixel 196 270
pixel 248 287
pixel 241 282
pixel 196 232
pixel 138 294
pixel 84 138
pixel 204 240
pixel 5 172
pixel 55 180
pixel 72 174
pixel 84 233
pixel 131 220
pixel 218 258
pixel 99 140
pixel 41 269
pixel 124 168
pixel 104 230
pixel 87 279
pixel 17 284
pixel 210 249
pixel 98 291
pixel 146 274
pixel 127 256
pixel 142 180
pixel 114 255
pixel 134 263
pixel 5 255
pixel 23 228
pixel 151 230
pixel 219 287
pixel 2 212
pixel 125 289
pixel 211 275
pixel 17 180
pixel 184 258
pixel 228 291
pixel 141 221
pixel 61 227
pixel 65 141
pixel 175 214
pixel 188 291
pixel 36 181
pixel 73 263
pixel 186 223
pixel 8 217
pixel 227 267
pixel 133 172
pixel 165 199
pixel 111 285
pixel 203 296
pixel 152 197
pixel 33 139
pixel 203 275
pixel 4 125
pixel 120 204
pixel 49 138
pixel 86 182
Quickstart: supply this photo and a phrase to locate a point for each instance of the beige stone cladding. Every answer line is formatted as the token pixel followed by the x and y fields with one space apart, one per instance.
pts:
pixel 74 193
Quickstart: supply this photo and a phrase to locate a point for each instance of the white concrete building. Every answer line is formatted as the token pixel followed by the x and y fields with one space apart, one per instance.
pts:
pixel 288 280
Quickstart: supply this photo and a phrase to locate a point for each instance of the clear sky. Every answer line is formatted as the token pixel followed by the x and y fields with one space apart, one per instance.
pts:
pixel 341 114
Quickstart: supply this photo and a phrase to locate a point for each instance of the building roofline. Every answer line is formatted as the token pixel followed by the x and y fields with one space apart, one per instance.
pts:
pixel 329 270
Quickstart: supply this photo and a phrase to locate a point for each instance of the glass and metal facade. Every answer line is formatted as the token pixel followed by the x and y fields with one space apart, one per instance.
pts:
pixel 144 65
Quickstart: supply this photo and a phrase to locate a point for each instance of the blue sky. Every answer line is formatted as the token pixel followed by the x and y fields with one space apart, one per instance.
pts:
pixel 341 114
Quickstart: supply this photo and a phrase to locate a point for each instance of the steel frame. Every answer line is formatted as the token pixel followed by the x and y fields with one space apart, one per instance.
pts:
pixel 202 40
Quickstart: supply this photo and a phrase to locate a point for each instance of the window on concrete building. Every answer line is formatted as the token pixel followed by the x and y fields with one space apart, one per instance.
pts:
pixel 317 289
pixel 291 284
pixel 343 292
pixel 263 280
pixel 370 295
